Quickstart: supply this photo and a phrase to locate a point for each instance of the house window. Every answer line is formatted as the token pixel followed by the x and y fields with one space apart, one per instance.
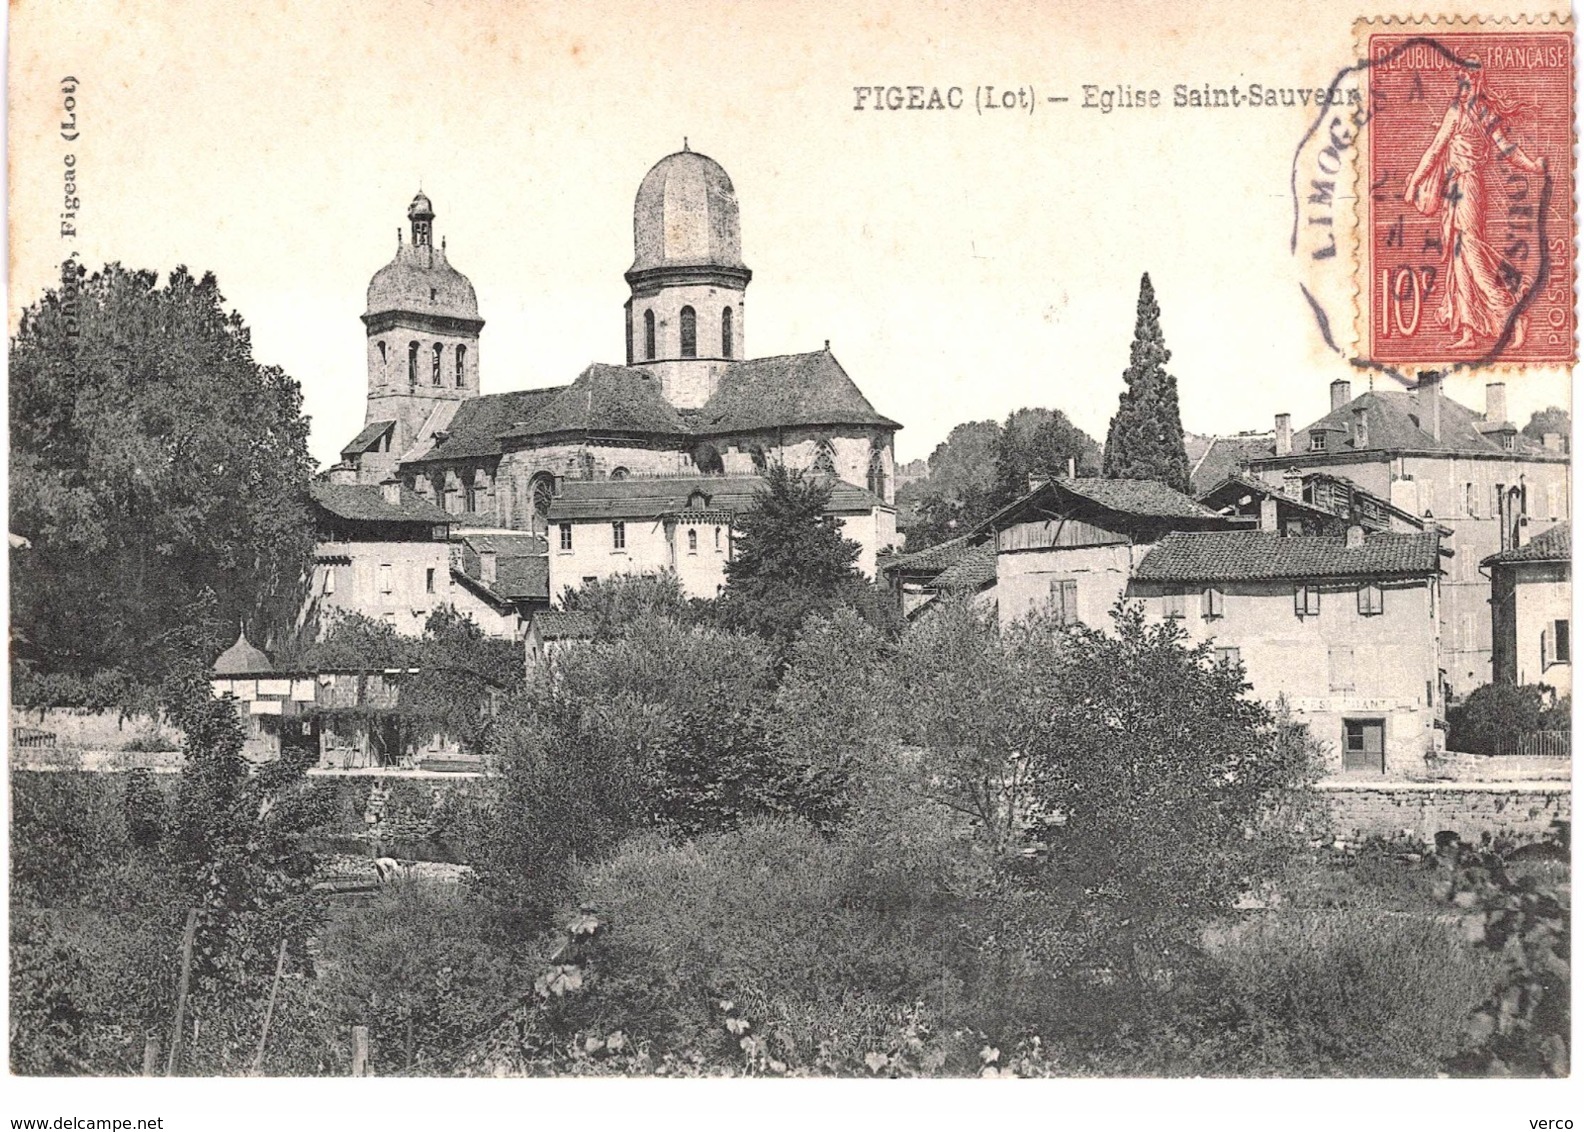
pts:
pixel 1174 603
pixel 1226 657
pixel 382 352
pixel 412 363
pixel 692 542
pixel 1370 600
pixel 1317 440
pixel 1556 644
pixel 1470 500
pixel 649 335
pixel 566 536
pixel 385 585
pixel 1341 657
pixel 429 580
pixel 726 333
pixel 1212 603
pixel 717 539
pixel 689 333
pixel 434 372
pixel 329 579
pixel 619 535
pixel 1306 601
pixel 1064 600
pixel 461 370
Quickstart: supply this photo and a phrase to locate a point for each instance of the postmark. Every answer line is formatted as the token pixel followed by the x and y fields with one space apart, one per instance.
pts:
pixel 1466 185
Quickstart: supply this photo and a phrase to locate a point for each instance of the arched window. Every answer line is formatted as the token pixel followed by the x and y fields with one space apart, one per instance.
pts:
pixel 877 474
pixel 689 333
pixel 825 460
pixel 461 366
pixel 412 363
pixel 541 491
pixel 726 333
pixel 649 335
pixel 692 542
pixel 618 473
pixel 434 373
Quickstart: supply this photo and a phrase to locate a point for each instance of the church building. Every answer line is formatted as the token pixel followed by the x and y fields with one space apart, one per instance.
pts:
pixel 686 403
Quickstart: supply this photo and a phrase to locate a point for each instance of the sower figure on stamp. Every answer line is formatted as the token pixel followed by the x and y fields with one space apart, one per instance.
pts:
pixel 1480 293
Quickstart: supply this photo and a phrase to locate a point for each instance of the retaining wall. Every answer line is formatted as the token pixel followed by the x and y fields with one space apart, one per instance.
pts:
pixel 1522 811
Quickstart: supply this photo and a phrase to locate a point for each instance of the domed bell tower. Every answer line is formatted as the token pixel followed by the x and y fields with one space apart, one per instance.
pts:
pixel 685 315
pixel 423 345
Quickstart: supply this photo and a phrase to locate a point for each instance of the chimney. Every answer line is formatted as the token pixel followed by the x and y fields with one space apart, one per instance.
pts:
pixel 1072 468
pixel 1360 429
pixel 1355 536
pixel 1430 389
pixel 1496 401
pixel 1284 434
pixel 1341 393
pixel 391 490
pixel 487 567
pixel 1292 483
pixel 1552 441
pixel 343 475
pixel 1267 520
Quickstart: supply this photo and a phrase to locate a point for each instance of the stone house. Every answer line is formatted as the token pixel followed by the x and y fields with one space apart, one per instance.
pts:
pixel 1344 627
pixel 1532 610
pixel 1473 474
pixel 499 579
pixel 604 528
pixel 963 565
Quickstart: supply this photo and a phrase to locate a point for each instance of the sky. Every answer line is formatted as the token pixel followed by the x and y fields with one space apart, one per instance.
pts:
pixel 961 264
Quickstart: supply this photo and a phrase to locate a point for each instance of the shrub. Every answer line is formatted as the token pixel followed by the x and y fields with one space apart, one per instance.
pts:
pixel 143 808
pixel 1494 713
pixel 1360 992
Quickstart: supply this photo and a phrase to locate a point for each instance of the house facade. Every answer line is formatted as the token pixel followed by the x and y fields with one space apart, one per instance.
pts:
pixel 1345 628
pixel 1532 610
pixel 1472 474
pixel 605 528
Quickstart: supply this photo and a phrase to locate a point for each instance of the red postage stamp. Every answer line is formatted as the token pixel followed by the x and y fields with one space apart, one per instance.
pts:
pixel 1468 239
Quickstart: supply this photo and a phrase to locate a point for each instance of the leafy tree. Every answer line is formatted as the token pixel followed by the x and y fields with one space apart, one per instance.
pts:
pixel 616 602
pixel 1553 418
pixel 1486 722
pixel 159 472
pixel 1145 440
pixel 1037 443
pixel 790 560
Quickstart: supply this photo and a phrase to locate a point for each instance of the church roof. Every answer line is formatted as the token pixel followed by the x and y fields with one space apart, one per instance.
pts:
pixel 786 390
pixel 242 659
pixel 685 215
pixel 604 399
pixel 420 280
pixel 366 439
pixel 651 497
pixel 480 422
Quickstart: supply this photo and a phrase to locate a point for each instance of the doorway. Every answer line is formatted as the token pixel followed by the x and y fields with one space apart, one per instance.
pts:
pixel 1364 746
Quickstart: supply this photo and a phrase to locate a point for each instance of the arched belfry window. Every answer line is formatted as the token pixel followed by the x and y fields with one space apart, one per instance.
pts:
pixel 726 333
pixel 434 374
pixel 689 333
pixel 412 363
pixel 649 336
pixel 461 366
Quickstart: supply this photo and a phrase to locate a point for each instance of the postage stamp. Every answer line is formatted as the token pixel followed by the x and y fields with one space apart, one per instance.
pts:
pixel 1468 179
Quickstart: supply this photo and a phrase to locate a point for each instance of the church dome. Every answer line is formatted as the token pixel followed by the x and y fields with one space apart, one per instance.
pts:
pixel 686 215
pixel 242 659
pixel 420 280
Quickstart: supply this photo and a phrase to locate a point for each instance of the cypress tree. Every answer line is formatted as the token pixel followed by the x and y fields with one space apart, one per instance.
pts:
pixel 1145 440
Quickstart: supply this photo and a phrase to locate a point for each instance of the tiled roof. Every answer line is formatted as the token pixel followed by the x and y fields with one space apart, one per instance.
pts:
pixel 1554 544
pixel 1193 556
pixel 974 570
pixel 604 399
pixel 1401 421
pixel 1146 498
pixel 786 390
pixel 507 544
pixel 364 440
pixel 558 624
pixel 480 422
pixel 366 503
pixel 941 556
pixel 523 579
pixel 648 498
pixel 1224 455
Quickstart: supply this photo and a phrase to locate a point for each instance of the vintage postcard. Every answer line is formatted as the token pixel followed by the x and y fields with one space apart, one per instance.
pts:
pixel 808 542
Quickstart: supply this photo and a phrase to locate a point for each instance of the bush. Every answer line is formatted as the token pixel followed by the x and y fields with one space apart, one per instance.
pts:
pixel 1493 714
pixel 1355 992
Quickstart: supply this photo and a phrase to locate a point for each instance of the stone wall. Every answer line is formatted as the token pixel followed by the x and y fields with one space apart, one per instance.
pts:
pixel 1523 811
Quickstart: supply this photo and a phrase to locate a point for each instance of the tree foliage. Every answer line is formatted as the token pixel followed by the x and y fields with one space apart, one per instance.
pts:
pixel 159 473
pixel 1037 444
pixel 1145 440
pixel 1493 715
pixel 1551 419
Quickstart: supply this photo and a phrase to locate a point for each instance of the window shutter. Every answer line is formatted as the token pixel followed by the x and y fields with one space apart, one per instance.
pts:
pixel 1545 648
pixel 1212 602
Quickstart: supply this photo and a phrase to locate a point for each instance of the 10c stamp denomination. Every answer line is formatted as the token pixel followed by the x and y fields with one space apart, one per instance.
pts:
pixel 1468 177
